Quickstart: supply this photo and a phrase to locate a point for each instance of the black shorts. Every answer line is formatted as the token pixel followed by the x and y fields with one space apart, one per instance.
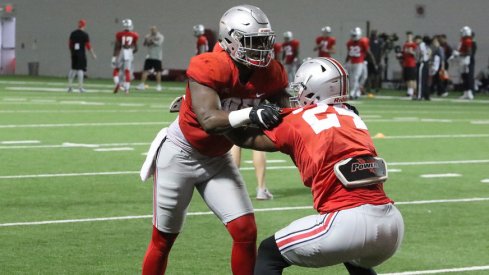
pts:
pixel 409 73
pixel 79 62
pixel 152 64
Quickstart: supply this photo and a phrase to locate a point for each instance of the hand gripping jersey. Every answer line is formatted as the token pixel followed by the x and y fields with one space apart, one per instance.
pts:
pixel 409 59
pixel 357 50
pixel 290 49
pixel 317 137
pixel 325 44
pixel 217 71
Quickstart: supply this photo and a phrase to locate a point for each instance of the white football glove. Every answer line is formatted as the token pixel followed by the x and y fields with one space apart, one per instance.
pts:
pixel 114 62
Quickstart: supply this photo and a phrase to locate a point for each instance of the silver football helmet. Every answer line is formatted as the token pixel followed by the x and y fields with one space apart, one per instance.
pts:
pixel 326 30
pixel 356 33
pixel 466 31
pixel 199 30
pixel 127 24
pixel 320 79
pixel 288 35
pixel 245 33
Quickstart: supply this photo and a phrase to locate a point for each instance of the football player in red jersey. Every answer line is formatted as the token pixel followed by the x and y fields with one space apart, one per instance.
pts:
pixel 358 50
pixel 325 44
pixel 126 44
pixel 409 63
pixel 356 224
pixel 290 54
pixel 202 42
pixel 465 51
pixel 224 90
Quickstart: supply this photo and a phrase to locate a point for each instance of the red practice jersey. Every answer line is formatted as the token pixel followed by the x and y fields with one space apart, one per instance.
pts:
pixel 325 45
pixel 277 50
pixel 291 50
pixel 217 71
pixel 409 59
pixel 317 137
pixel 465 46
pixel 357 50
pixel 127 39
pixel 202 41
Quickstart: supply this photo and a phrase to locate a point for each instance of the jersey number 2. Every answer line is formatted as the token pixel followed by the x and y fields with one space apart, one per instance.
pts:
pixel 331 120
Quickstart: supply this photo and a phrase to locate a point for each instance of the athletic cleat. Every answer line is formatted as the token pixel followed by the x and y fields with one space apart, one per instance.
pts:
pixel 263 194
pixel 116 89
pixel 141 87
pixel 82 90
pixel 70 89
pixel 158 88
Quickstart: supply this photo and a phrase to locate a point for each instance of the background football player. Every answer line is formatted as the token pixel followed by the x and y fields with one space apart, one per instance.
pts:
pixel 194 154
pixel 290 54
pixel 124 49
pixel 356 224
pixel 202 42
pixel 358 50
pixel 326 43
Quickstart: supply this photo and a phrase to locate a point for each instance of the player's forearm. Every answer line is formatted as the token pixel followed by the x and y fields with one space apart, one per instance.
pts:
pixel 250 138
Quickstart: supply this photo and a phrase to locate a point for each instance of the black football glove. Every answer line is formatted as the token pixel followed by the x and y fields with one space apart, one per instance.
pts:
pixel 266 116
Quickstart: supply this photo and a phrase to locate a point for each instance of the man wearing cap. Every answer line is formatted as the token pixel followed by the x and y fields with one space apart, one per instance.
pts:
pixel 78 42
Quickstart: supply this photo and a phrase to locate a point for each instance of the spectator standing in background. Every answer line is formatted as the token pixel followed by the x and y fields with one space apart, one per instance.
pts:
pixel 447 50
pixel 423 59
pixel 437 68
pixel 325 44
pixel 409 63
pixel 154 42
pixel 375 74
pixel 78 42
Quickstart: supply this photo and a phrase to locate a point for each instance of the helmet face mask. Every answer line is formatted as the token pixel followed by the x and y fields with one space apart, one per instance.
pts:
pixel 245 34
pixel 320 80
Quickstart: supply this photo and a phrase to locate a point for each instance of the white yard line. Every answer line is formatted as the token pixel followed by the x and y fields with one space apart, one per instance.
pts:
pixel 78 111
pixel 437 271
pixel 84 124
pixel 434 136
pixel 448 175
pixel 113 149
pixel 242 169
pixel 74 145
pixel 485 181
pixel 204 213
pixel 20 142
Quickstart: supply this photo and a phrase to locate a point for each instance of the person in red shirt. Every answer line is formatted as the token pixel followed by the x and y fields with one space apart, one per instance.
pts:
pixel 409 63
pixel 465 49
pixel 202 42
pixel 325 44
pixel 126 44
pixel 225 90
pixel 290 54
pixel 357 224
pixel 277 51
pixel 358 51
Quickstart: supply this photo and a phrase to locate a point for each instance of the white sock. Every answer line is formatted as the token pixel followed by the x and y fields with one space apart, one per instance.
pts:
pixel 127 85
pixel 80 76
pixel 71 76
pixel 410 91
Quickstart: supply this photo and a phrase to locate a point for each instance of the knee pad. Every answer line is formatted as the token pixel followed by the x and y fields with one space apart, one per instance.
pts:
pixel 243 229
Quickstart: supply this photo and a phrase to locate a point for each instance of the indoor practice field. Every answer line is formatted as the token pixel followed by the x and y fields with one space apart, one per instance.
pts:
pixel 72 202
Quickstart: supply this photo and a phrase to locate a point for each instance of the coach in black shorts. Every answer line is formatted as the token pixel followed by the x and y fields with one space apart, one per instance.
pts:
pixel 154 42
pixel 79 41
